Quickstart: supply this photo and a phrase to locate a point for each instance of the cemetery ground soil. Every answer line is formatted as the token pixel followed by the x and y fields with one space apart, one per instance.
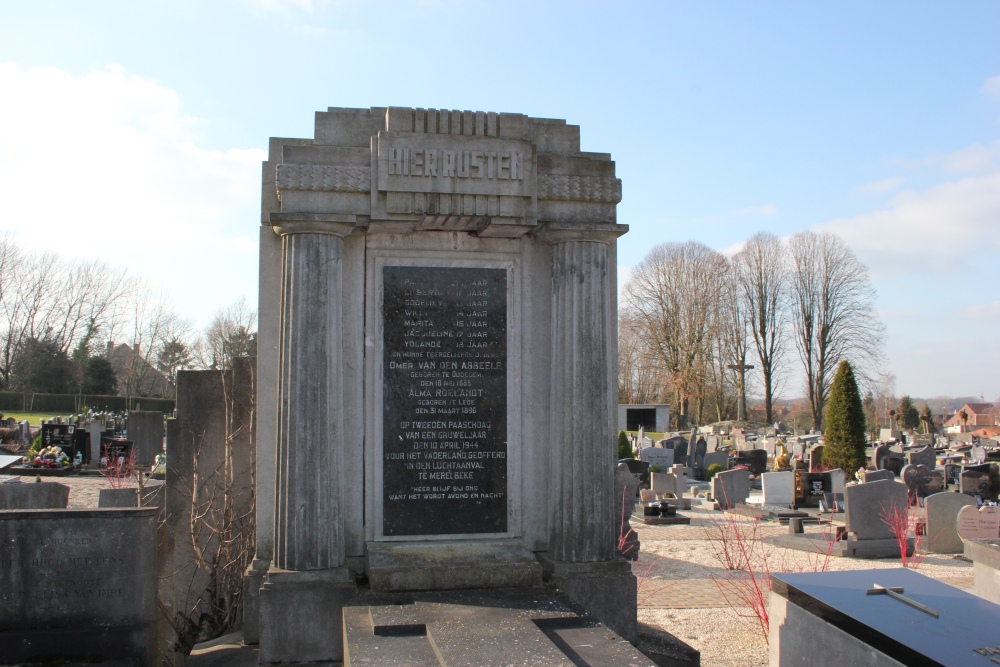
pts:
pixel 679 575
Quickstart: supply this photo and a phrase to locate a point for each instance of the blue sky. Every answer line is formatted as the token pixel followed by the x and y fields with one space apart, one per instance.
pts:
pixel 134 131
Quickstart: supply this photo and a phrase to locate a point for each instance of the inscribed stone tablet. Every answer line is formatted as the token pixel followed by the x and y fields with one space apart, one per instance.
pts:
pixel 976 524
pixel 445 396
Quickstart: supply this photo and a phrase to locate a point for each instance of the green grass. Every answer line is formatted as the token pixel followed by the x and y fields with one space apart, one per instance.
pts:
pixel 34 418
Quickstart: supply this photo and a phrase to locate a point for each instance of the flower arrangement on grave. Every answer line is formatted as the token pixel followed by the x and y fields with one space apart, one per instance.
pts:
pixel 48 457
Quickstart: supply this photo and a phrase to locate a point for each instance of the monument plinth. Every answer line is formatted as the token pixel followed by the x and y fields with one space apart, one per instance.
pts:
pixel 436 367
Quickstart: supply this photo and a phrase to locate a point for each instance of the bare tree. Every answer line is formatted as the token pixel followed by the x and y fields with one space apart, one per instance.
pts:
pixel 760 272
pixel 675 291
pixel 232 334
pixel 832 305
pixel 638 373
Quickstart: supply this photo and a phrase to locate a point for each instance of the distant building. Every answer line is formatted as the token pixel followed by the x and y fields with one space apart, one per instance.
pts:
pixel 652 418
pixel 979 414
pixel 136 376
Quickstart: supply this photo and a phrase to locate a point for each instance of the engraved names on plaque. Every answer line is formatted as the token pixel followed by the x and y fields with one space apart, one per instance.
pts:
pixel 445 401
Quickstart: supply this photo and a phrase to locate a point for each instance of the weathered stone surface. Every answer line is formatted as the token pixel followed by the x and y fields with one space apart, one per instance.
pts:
pixel 145 429
pixel 418 566
pixel 79 583
pixel 922 481
pixel 942 522
pixel 33 496
pixel 626 486
pixel 664 482
pixel 657 456
pixel 128 497
pixel 868 505
pixel 731 487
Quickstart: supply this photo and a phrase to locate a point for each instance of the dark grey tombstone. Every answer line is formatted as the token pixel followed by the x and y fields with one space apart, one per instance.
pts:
pixel 876 475
pixel 33 496
pixel 680 451
pixel 868 506
pixel 698 457
pixel 894 463
pixel 953 473
pixel 926 456
pixel 626 485
pixel 816 458
pixel 922 481
pixel 84 585
pixel 639 470
pixel 731 487
pixel 145 429
pixel 980 480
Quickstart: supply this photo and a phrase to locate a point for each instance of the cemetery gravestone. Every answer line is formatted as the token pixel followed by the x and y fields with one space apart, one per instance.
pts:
pixel 717 458
pixel 977 454
pixel 837 480
pixel 145 429
pixel 922 481
pixel 81 583
pixel 876 475
pixel 941 530
pixel 627 485
pixel 980 480
pixel 657 456
pixel 712 443
pixel 31 496
pixel 778 487
pixel 452 268
pixel 866 505
pixel 698 457
pixel 816 459
pixel 664 483
pixel 680 451
pixel 639 469
pixel 978 524
pixel 730 488
pixel 925 456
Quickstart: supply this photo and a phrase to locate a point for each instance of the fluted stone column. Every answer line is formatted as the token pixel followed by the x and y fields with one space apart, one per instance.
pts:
pixel 584 387
pixel 307 584
pixel 582 555
pixel 308 525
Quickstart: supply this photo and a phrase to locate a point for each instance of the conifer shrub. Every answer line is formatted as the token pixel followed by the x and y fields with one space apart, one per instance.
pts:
pixel 844 437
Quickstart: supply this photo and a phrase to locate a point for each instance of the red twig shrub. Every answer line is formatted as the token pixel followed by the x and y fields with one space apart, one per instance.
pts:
pixel 118 470
pixel 902 524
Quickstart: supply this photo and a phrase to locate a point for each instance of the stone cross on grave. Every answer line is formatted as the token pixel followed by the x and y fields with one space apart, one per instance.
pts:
pixel 741 404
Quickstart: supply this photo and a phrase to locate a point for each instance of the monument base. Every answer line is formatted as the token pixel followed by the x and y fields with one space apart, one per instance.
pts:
pixel 252 582
pixel 527 626
pixel 432 566
pixel 606 589
pixel 301 614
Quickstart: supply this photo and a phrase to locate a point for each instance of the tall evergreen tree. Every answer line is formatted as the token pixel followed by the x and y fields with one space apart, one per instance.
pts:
pixel 845 423
pixel 909 417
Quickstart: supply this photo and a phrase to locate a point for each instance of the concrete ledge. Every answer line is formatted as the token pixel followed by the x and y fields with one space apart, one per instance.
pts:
pixel 449 565
pixel 606 589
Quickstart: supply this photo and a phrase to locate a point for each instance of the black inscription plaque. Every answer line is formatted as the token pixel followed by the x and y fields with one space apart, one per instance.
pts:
pixel 444 467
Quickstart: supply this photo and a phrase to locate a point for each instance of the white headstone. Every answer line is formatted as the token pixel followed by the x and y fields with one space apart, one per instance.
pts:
pixel 657 456
pixel 779 487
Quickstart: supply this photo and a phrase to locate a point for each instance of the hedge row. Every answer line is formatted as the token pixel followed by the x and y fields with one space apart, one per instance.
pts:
pixel 15 401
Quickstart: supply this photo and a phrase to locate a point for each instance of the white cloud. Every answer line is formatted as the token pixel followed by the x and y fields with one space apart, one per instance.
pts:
pixel 991 87
pixel 104 165
pixel 975 159
pixel 941 229
pixel 884 185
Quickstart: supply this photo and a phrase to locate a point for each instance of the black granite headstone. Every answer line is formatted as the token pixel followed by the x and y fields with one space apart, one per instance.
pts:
pixel 445 396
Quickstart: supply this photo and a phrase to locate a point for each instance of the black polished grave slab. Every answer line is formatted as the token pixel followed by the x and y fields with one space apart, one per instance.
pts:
pixel 906 634
pixel 444 466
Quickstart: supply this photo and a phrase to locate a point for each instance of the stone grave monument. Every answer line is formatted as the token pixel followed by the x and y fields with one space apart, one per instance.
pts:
pixel 436 368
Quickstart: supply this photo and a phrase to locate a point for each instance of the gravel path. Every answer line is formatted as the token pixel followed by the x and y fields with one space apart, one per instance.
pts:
pixel 685 589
